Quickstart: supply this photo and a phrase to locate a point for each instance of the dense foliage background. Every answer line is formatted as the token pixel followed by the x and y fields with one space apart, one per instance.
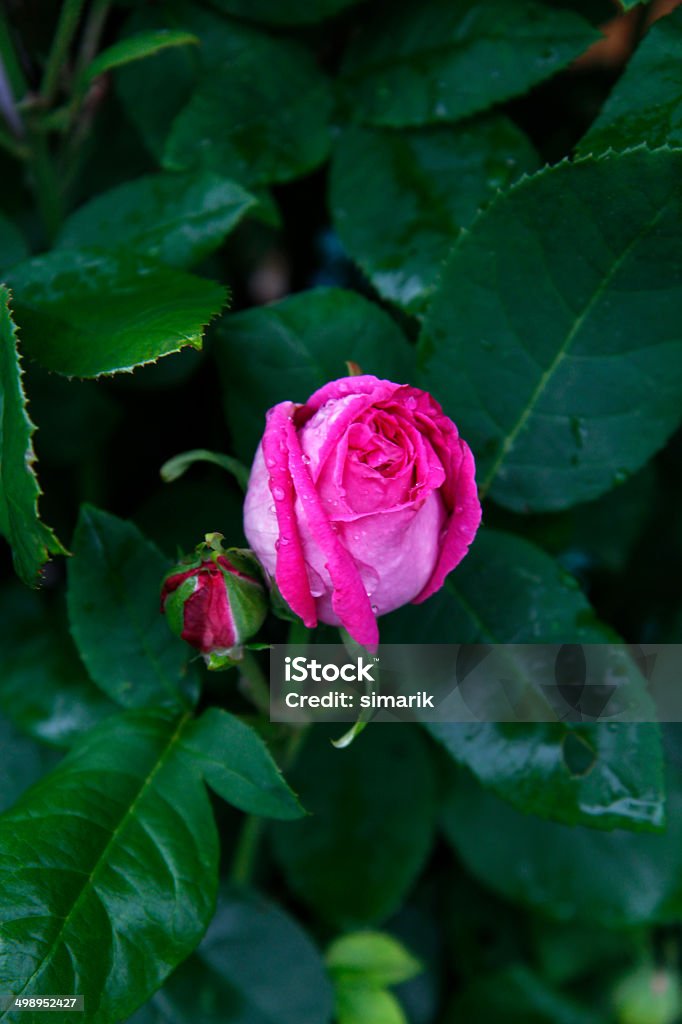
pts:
pixel 481 198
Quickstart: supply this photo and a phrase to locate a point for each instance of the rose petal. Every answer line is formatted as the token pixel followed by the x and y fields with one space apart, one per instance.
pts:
pixel 463 523
pixel 349 598
pixel 290 572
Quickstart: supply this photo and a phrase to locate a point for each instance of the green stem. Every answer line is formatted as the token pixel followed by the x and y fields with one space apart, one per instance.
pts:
pixel 92 33
pixel 253 683
pixel 247 850
pixel 13 68
pixel 66 29
pixel 11 146
pixel 46 186
pixel 298 633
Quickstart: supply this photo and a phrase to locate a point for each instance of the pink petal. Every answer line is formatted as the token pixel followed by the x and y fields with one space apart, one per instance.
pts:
pixel 465 518
pixel 349 598
pixel 290 574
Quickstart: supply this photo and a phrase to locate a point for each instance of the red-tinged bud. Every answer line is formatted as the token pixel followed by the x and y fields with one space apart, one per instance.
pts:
pixel 215 601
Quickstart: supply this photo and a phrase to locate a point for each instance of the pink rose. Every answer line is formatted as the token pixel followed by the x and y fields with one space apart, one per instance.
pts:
pixel 359 501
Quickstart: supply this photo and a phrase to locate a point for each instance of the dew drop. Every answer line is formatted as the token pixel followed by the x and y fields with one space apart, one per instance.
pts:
pixel 278 493
pixel 305 459
pixel 375 608
pixel 283 541
pixel 271 510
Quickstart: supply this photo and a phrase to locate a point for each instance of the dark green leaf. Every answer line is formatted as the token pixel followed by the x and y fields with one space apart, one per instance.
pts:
pixel 238 766
pixel 558 306
pixel 131 49
pixel 153 92
pixel 439 61
pixel 108 869
pixel 22 762
pixel 293 12
pixel 354 859
pixel 615 878
pixel 113 598
pixel 534 767
pixel 646 103
pixel 255 966
pixel 13 248
pixel 399 199
pixel 516 995
pixel 175 218
pixel 289 349
pixel 279 105
pixel 508 591
pixel 84 313
pixel 44 687
pixel 32 542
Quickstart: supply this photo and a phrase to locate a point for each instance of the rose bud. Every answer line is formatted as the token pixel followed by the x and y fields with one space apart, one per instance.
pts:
pixel 215 601
pixel 360 500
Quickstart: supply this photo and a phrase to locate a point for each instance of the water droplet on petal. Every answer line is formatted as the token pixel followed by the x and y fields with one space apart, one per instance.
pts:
pixel 411 402
pixel 271 462
pixel 278 493
pixel 375 608
pixel 305 459
pixel 283 541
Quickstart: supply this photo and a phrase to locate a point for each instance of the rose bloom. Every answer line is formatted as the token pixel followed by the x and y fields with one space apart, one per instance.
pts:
pixel 359 501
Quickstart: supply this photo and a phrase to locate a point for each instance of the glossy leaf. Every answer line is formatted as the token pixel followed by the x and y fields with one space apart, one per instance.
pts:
pixel 113 599
pixel 108 869
pixel 255 965
pixel 615 878
pixel 84 313
pixel 557 307
pixel 131 49
pixel 13 248
pixel 353 860
pixel 22 762
pixel 152 92
pixel 508 591
pixel 175 218
pixel 440 61
pixel 238 766
pixel 278 101
pixel 400 199
pixel 294 12
pixel 293 347
pixel 44 687
pixel 32 542
pixel 646 103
